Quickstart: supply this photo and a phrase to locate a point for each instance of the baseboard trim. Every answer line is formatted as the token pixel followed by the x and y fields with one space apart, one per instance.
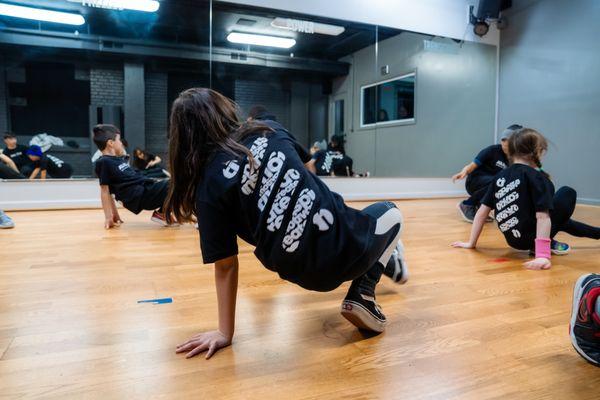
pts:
pixel 85 193
pixel 587 200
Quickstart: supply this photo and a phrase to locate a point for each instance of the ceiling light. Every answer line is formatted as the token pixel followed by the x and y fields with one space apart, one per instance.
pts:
pixel 39 14
pixel 136 5
pixel 260 40
pixel 298 25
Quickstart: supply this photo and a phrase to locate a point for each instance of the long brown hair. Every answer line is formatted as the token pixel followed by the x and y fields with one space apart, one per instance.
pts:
pixel 202 121
pixel 528 143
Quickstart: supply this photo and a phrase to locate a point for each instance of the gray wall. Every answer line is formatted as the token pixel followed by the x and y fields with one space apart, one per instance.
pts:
pixel 550 81
pixel 300 106
pixel 454 111
pixel 270 94
pixel 3 100
pixel 134 102
pixel 157 114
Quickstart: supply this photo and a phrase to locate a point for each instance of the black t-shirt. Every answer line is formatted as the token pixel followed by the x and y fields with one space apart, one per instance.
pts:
pixel 325 161
pixel 142 163
pixel 301 229
pixel 17 155
pixel 516 195
pixel 56 167
pixel 123 181
pixel 490 161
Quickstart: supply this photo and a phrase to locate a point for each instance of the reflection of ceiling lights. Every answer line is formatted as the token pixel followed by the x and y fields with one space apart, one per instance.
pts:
pixel 260 40
pixel 136 5
pixel 298 25
pixel 39 14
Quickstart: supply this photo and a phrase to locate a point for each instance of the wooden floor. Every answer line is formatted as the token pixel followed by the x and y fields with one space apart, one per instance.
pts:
pixel 468 325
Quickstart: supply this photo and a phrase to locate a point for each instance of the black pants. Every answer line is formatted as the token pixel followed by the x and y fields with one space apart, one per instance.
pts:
pixel 477 186
pixel 564 206
pixel 154 196
pixel 63 173
pixel 26 170
pixel 387 234
pixel 154 172
pixel 7 172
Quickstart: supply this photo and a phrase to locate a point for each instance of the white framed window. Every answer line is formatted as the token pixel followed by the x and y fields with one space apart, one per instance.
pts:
pixel 388 102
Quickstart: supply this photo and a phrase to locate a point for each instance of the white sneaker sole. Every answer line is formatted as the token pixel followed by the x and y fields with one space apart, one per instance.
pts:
pixel 560 252
pixel 360 317
pixel 159 221
pixel 577 290
pixel 404 269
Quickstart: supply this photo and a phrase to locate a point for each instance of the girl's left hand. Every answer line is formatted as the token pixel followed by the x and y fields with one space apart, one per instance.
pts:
pixel 538 264
pixel 207 341
pixel 463 245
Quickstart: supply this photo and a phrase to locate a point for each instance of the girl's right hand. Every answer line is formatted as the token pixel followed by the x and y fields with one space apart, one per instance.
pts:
pixel 463 245
pixel 211 341
pixel 538 264
pixel 110 223
pixel 461 175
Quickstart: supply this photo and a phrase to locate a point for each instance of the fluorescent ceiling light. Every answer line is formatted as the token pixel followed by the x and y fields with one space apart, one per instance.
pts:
pixel 136 5
pixel 39 14
pixel 261 40
pixel 298 25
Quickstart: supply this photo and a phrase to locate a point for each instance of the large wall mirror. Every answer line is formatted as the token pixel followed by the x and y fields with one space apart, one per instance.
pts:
pixel 383 102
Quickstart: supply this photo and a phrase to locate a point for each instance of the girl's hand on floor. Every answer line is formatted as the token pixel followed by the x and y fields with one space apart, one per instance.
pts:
pixel 538 264
pixel 463 245
pixel 110 223
pixel 211 341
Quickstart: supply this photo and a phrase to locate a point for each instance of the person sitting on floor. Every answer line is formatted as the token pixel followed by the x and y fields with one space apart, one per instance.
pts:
pixel 47 164
pixel 148 164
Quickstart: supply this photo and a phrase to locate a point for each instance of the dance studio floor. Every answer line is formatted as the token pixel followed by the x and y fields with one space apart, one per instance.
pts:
pixel 467 325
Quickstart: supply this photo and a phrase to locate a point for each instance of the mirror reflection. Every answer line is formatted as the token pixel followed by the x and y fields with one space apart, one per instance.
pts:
pixel 363 100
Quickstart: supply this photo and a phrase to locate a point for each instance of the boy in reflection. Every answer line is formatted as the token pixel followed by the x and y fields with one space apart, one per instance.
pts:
pixel 8 169
pixel 118 178
pixel 16 153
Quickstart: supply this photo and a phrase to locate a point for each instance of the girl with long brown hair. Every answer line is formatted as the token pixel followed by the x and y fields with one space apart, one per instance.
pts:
pixel 248 180
pixel 528 211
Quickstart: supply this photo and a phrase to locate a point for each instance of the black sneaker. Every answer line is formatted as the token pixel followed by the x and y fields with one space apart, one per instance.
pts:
pixel 585 318
pixel 363 312
pixel 467 211
pixel 397 269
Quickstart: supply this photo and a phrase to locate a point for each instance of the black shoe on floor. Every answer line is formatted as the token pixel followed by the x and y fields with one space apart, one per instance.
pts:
pixel 585 318
pixel 397 269
pixel 363 312
pixel 467 211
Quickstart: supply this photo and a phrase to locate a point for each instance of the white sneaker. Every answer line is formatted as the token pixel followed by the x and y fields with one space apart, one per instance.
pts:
pixel 5 221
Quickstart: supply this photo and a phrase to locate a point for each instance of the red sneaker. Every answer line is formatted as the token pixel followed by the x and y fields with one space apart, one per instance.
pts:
pixel 159 218
pixel 585 318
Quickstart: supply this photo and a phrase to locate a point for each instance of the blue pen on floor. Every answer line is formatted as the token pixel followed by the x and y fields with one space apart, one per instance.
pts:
pixel 157 301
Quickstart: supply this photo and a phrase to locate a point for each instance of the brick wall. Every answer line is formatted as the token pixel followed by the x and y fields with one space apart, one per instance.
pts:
pixel 106 86
pixel 156 85
pixel 272 95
